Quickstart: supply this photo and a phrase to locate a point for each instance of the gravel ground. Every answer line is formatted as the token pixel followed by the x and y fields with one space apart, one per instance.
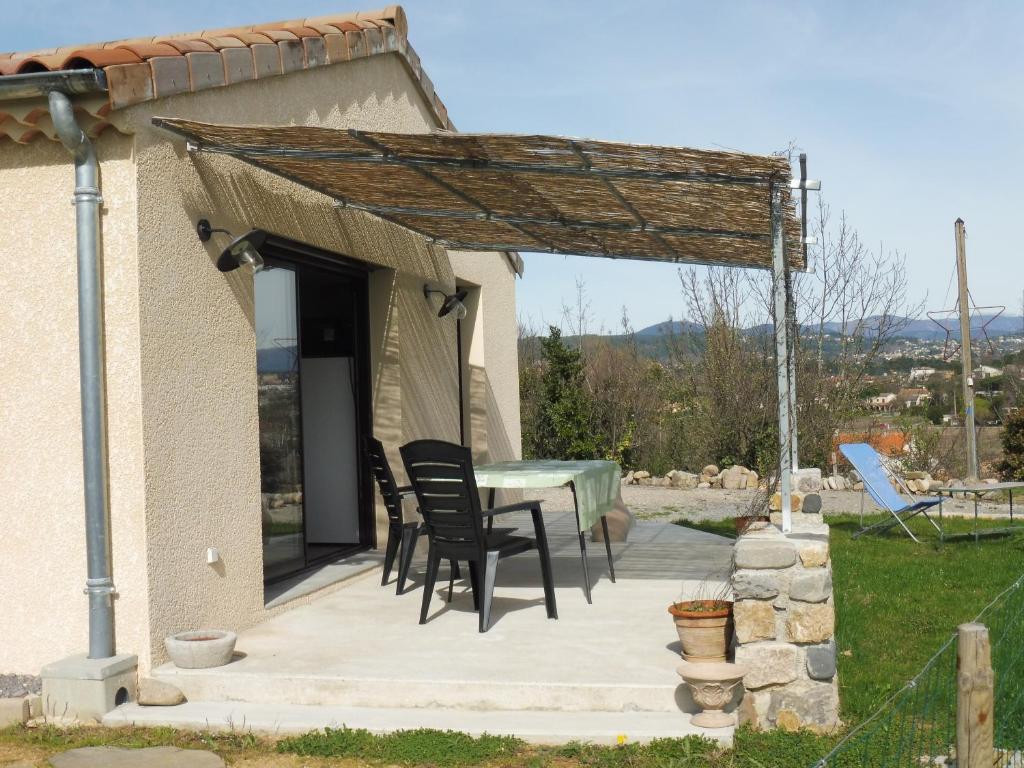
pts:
pixel 15 686
pixel 655 503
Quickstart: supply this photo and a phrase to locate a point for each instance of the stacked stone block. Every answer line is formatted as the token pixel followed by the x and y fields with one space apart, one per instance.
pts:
pixel 784 618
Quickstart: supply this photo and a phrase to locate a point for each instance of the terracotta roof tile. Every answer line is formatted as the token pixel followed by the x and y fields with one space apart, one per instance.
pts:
pixel 277 35
pixel 220 43
pixel 148 50
pixel 249 38
pixel 238 64
pixel 185 45
pixel 144 68
pixel 267 59
pixel 38 63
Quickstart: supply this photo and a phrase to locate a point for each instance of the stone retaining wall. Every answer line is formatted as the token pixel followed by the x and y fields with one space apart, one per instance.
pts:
pixel 784 626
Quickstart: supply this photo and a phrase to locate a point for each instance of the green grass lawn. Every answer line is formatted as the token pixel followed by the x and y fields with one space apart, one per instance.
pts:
pixel 897 601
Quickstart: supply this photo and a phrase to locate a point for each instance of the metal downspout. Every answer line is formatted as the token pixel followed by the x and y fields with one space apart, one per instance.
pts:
pixel 87 200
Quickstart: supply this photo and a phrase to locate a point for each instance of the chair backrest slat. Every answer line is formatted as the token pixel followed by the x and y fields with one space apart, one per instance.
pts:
pixel 442 476
pixel 875 476
pixel 381 469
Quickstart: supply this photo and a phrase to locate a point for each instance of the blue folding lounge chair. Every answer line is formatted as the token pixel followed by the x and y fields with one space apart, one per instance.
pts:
pixel 877 483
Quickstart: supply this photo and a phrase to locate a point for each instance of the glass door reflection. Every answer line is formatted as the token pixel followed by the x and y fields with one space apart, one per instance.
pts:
pixel 280 418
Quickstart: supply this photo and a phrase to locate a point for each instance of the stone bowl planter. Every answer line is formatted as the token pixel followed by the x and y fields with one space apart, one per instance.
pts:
pixel 201 649
pixel 712 686
pixel 704 627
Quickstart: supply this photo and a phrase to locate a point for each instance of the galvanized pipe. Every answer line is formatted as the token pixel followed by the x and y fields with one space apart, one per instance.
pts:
pixel 87 200
pixel 781 319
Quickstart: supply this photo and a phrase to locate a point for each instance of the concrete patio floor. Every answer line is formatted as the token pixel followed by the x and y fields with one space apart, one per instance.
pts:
pixel 357 656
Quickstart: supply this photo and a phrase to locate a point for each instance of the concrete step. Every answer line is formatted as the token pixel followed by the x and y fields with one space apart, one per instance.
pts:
pixel 536 727
pixel 328 690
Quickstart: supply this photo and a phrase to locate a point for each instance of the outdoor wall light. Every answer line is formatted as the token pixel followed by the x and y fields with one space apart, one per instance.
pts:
pixel 452 304
pixel 241 250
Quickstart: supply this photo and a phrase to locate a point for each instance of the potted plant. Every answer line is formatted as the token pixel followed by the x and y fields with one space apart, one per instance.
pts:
pixel 704 624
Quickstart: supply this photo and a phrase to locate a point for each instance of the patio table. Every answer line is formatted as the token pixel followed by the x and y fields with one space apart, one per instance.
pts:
pixel 977 490
pixel 594 486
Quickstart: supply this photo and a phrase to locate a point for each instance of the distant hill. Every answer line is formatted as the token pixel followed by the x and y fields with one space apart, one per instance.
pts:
pixel 915 329
pixel 276 359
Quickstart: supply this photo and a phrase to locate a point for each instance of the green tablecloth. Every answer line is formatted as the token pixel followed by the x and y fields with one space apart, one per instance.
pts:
pixel 596 482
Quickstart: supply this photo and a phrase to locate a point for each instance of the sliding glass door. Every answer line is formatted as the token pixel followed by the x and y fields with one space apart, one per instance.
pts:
pixel 280 409
pixel 311 362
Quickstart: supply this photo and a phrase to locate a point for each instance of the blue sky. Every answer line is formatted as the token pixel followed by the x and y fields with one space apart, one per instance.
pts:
pixel 911 113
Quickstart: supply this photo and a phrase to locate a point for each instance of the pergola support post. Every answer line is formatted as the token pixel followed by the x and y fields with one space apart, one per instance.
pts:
pixel 780 316
pixel 794 451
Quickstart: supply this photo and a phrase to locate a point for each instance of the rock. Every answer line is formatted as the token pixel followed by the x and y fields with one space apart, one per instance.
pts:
pixel 757 585
pixel 811 622
pixel 734 478
pixel 821 660
pixel 759 553
pixel 858 486
pixel 813 586
pixel 807 704
pixel 796 500
pixel 934 485
pixel 811 504
pixel 157 693
pixel 642 474
pixel 703 485
pixel 915 475
pixel 150 757
pixel 752 480
pixel 710 470
pixel 954 483
pixel 14 711
pixel 628 479
pixel 753 620
pixel 753 709
pixel 990 481
pixel 716 482
pixel 813 554
pixel 768 664
pixel 807 480
pixel 685 480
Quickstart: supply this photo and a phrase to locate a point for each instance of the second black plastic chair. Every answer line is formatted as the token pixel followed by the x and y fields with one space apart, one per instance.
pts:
pixel 442 476
pixel 402 535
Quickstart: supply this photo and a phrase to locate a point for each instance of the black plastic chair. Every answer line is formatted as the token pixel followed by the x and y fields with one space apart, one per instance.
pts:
pixel 442 476
pixel 401 535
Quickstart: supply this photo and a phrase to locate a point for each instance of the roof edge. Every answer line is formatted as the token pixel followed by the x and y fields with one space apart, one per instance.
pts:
pixel 187 63
pixel 70 81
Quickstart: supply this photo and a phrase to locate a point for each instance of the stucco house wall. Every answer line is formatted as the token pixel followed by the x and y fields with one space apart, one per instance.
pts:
pixel 181 356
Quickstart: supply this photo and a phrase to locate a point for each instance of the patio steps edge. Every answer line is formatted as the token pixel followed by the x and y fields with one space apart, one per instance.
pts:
pixel 535 727
pixel 464 695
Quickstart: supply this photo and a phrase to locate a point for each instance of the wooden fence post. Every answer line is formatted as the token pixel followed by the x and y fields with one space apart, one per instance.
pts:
pixel 974 698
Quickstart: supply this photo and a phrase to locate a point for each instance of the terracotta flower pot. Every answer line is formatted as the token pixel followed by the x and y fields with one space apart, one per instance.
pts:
pixel 704 628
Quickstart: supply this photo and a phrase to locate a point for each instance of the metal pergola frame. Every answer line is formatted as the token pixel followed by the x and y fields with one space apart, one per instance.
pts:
pixel 425 166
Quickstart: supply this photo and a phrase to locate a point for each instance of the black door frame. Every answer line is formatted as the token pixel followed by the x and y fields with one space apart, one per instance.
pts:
pixel 305 260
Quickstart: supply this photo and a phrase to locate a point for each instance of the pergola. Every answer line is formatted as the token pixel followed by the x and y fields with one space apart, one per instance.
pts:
pixel 493 192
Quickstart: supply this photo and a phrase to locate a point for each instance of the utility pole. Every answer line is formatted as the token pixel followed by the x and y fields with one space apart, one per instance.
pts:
pixel 965 351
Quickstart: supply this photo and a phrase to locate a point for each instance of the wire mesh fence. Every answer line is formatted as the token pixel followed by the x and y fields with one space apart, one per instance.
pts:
pixel 917 725
pixel 1004 618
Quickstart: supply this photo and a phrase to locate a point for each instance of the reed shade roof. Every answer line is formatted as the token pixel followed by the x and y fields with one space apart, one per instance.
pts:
pixel 532 193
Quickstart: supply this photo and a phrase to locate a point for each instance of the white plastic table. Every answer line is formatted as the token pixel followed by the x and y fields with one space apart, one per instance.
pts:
pixel 594 486
pixel 977 491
